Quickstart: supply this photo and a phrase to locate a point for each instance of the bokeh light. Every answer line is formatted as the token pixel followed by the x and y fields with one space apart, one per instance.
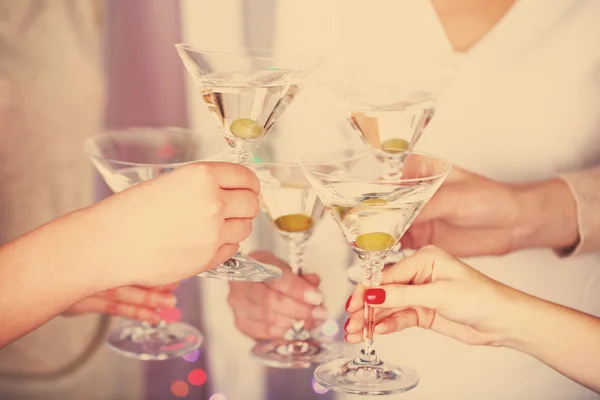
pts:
pixel 170 315
pixel 218 396
pixel 318 388
pixel 180 388
pixel 197 377
pixel 330 328
pixel 192 357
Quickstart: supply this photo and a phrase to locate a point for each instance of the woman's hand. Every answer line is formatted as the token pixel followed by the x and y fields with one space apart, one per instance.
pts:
pixel 134 302
pixel 471 215
pixel 264 310
pixel 169 228
pixel 432 290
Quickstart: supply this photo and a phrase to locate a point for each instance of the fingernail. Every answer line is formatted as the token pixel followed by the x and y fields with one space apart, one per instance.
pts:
pixel 345 338
pixel 312 297
pixel 168 301
pixel 375 296
pixel 320 313
pixel 348 302
pixel 346 325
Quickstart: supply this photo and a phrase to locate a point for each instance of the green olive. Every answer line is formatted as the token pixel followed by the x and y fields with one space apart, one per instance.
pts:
pixel 374 241
pixel 395 145
pixel 374 202
pixel 294 223
pixel 245 128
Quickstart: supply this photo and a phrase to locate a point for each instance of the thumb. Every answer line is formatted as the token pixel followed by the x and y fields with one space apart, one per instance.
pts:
pixel 432 295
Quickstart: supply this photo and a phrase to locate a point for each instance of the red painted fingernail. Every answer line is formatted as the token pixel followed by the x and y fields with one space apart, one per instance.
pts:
pixel 345 338
pixel 375 296
pixel 348 302
pixel 346 324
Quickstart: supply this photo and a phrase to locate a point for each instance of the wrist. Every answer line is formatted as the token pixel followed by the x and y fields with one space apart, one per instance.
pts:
pixel 547 216
pixel 82 253
pixel 516 316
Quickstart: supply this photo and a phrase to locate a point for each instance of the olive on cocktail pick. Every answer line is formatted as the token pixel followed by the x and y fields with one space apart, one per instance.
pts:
pixel 245 128
pixel 395 145
pixel 294 223
pixel 374 241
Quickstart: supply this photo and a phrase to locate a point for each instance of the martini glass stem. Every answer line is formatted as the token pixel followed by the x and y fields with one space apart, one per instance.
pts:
pixel 296 260
pixel 148 328
pixel 243 156
pixel 372 267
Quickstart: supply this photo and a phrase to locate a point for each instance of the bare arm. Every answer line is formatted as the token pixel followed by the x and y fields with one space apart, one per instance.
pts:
pixel 433 290
pixel 565 339
pixel 43 273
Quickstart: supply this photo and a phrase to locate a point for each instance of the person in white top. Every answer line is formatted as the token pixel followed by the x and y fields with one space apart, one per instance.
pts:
pixel 524 110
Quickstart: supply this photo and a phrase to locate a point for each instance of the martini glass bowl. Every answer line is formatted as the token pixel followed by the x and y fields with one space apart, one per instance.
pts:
pixel 373 210
pixel 124 159
pixel 246 92
pixel 391 112
pixel 294 208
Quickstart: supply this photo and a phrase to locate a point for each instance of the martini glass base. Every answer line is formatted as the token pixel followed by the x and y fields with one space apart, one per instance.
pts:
pixel 350 375
pixel 243 268
pixel 296 354
pixel 139 340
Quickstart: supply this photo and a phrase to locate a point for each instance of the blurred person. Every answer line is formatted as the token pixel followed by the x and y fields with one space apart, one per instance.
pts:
pixel 91 250
pixel 433 290
pixel 524 112
pixel 52 95
pixel 471 215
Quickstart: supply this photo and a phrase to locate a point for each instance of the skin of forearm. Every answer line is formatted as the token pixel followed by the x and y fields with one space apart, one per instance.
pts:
pixel 565 339
pixel 548 216
pixel 43 273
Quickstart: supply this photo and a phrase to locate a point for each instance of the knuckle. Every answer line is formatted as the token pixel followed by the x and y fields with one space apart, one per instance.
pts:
pixel 430 249
pixel 218 206
pixel 202 170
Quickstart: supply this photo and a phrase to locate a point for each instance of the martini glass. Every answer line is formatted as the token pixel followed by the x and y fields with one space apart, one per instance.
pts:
pixel 124 159
pixel 246 93
pixel 373 210
pixel 391 117
pixel 294 208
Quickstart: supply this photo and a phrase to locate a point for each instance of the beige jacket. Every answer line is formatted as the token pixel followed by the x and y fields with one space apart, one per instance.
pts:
pixel 51 98
pixel 585 186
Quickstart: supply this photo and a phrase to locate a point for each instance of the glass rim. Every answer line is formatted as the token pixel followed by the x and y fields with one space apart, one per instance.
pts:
pixel 306 165
pixel 276 164
pixel 89 141
pixel 238 53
